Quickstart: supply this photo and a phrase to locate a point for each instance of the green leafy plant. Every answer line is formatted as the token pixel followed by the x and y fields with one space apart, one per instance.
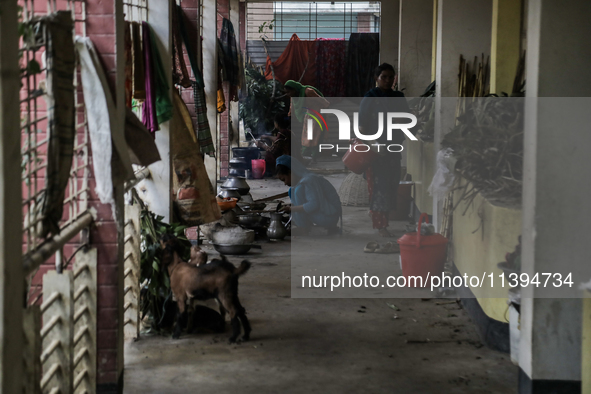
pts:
pixel 27 34
pixel 265 28
pixel 259 108
pixel 156 299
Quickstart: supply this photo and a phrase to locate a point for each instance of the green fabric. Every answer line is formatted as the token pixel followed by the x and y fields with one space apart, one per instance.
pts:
pixel 163 102
pixel 300 112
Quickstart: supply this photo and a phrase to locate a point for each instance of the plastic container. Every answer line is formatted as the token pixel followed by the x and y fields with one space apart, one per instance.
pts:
pixel 358 160
pixel 422 255
pixel 258 168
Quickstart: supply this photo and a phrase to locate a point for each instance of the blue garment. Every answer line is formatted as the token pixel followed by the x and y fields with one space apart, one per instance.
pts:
pixel 317 196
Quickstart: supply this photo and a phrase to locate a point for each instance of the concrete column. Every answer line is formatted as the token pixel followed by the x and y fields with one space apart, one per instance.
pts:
pixel 415 46
pixel 11 270
pixel 210 76
pixel 463 28
pixel 505 45
pixel 556 209
pixel 234 120
pixel 159 186
pixel 389 32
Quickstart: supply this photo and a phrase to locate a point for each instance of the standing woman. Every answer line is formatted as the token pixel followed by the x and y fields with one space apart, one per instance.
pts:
pixel 383 175
pixel 296 89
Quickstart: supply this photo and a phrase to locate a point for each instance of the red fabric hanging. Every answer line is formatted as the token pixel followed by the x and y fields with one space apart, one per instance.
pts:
pixel 292 62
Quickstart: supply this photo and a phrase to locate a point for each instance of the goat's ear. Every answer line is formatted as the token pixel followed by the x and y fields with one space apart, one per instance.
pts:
pixel 224 258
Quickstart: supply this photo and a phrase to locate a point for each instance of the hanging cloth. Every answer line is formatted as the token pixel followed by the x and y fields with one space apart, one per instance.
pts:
pixel 128 52
pixel 298 58
pixel 157 107
pixel 203 131
pixel 61 60
pixel 363 56
pixel 330 66
pixel 230 58
pixel 194 198
pixel 180 75
pixel 139 81
pixel 101 116
pixel 149 116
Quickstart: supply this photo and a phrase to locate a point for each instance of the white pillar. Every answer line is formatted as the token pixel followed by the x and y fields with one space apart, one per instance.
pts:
pixel 210 77
pixel 463 28
pixel 415 47
pixel 556 207
pixel 11 269
pixel 158 187
pixel 389 32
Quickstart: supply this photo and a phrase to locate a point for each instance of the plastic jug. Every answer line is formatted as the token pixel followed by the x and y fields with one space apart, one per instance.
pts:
pixel 258 168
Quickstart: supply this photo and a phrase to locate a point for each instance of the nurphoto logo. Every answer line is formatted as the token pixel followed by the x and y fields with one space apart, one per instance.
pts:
pixel 392 124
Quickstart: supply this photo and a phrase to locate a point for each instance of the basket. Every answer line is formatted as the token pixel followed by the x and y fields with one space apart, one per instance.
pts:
pixel 353 191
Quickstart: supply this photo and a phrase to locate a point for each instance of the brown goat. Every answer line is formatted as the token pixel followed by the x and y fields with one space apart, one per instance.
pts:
pixel 218 279
pixel 198 256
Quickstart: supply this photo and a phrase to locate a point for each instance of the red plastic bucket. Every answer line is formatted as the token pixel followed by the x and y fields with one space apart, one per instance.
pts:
pixel 258 168
pixel 422 255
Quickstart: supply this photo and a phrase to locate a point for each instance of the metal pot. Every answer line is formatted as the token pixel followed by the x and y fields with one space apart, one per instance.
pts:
pixel 252 220
pixel 234 249
pixel 246 153
pixel 230 193
pixel 236 183
pixel 233 236
pixel 276 230
pixel 254 206
pixel 240 163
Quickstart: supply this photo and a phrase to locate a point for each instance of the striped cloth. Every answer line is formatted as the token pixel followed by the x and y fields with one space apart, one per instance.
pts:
pixel 203 131
pixel 61 62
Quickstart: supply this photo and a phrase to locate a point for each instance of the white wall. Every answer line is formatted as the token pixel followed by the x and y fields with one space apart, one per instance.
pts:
pixel 210 78
pixel 463 28
pixel 556 209
pixel 415 47
pixel 389 32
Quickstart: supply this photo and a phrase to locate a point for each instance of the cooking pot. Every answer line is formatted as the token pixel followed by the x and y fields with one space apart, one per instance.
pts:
pixel 230 193
pixel 250 153
pixel 236 183
pixel 240 163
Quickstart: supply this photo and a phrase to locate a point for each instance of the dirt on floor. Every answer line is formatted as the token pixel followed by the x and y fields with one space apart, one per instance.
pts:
pixel 307 345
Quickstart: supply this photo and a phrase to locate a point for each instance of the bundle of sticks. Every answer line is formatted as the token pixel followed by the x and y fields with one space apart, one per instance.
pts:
pixel 472 81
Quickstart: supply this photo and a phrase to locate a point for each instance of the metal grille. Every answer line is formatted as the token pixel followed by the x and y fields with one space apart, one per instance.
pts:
pixel 34 119
pixel 311 20
pixel 136 10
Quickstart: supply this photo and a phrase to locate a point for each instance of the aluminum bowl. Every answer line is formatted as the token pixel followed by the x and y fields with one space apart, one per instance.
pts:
pixel 234 249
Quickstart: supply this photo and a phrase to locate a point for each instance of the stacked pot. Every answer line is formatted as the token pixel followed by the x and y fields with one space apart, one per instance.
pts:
pixel 242 160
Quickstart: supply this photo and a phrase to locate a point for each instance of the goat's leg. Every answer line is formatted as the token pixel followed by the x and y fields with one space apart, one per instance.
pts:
pixel 244 321
pixel 222 309
pixel 191 317
pixel 181 319
pixel 234 322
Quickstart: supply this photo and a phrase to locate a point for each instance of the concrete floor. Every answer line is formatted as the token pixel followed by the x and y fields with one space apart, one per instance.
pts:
pixel 324 345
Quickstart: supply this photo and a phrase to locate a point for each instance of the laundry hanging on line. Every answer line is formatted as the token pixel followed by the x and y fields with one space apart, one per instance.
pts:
pixel 297 62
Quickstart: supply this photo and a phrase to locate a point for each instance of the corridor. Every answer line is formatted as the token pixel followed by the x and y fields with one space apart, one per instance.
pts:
pixel 324 345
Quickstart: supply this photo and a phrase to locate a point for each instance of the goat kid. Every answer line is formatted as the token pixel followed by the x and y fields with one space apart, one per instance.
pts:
pixel 217 279
pixel 198 256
